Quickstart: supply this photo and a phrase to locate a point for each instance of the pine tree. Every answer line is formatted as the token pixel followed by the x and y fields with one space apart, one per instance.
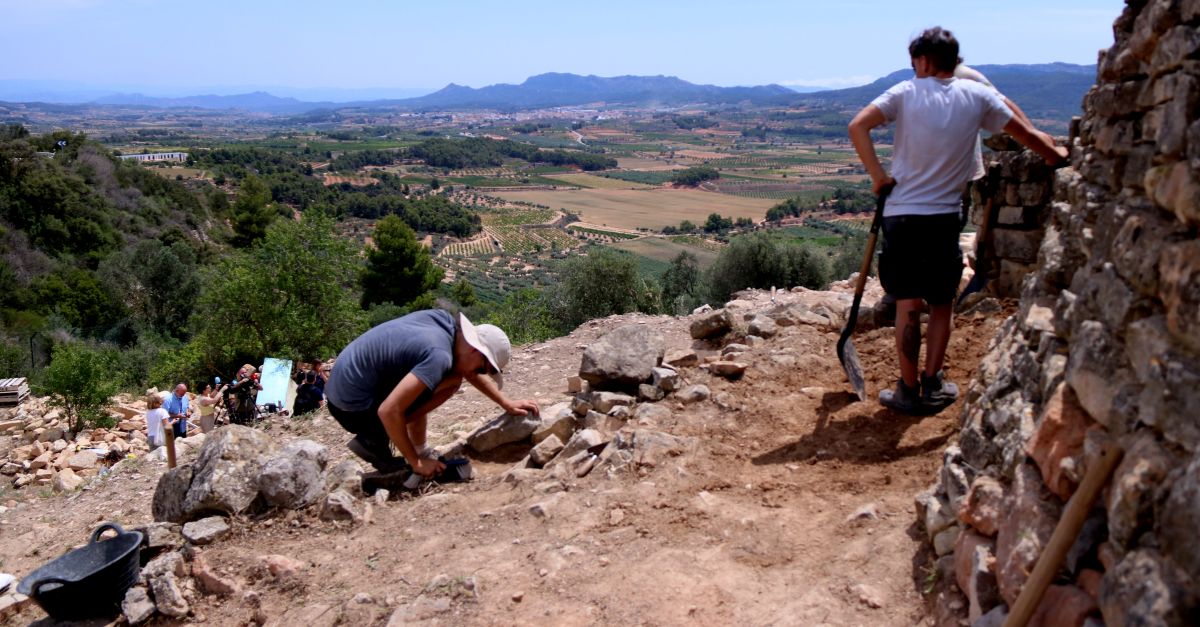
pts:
pixel 399 269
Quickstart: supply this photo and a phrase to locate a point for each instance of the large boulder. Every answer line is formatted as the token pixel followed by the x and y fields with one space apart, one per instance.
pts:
pixel 712 324
pixel 623 358
pixel 501 430
pixel 224 477
pixel 294 477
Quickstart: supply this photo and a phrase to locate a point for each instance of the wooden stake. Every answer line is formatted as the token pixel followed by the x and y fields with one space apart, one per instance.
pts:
pixel 170 433
pixel 1074 515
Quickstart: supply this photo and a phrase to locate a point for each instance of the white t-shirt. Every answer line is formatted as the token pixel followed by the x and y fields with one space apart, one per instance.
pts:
pixel 962 70
pixel 154 425
pixel 937 129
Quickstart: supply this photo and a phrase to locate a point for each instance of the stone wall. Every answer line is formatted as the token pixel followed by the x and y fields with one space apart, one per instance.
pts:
pixel 1105 346
pixel 1016 192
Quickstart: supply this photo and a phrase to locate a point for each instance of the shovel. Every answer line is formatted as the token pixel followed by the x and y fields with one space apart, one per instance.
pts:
pixel 845 348
pixel 983 260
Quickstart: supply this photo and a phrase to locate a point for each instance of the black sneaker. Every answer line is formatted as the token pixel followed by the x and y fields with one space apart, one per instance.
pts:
pixel 936 391
pixel 904 399
pixel 377 454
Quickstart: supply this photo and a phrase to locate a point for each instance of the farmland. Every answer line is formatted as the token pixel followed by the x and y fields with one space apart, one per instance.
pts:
pixel 664 249
pixel 649 208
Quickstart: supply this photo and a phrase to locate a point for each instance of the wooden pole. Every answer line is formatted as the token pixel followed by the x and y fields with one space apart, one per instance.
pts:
pixel 170 433
pixel 1074 515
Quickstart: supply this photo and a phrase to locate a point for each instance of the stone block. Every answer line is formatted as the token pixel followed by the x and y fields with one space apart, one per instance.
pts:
pixel 501 430
pixel 1058 441
pixel 1130 255
pixel 1012 273
pixel 83 460
pixel 682 358
pixel 624 357
pixel 763 326
pixel 1173 48
pixel 1136 487
pixel 727 369
pixel 557 420
pixel 693 394
pixel 1176 188
pixel 1097 373
pixel 206 530
pixel 712 324
pixel 1017 245
pixel 1029 520
pixel 974 570
pixel 1145 589
pixel 1179 274
pixel 66 480
pixel 1180 520
pixel 603 402
pixel 545 451
pixel 983 506
pixel 1064 606
pixel 574 384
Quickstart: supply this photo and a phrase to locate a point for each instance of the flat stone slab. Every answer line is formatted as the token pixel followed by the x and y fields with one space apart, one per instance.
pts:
pixel 206 530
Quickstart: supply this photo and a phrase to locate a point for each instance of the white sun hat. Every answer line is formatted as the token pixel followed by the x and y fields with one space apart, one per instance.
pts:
pixel 489 340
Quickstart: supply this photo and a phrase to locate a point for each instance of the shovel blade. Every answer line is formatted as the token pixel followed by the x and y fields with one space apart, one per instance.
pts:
pixel 975 285
pixel 854 372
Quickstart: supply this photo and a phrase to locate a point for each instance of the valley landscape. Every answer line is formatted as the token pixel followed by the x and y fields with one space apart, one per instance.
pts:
pixel 676 266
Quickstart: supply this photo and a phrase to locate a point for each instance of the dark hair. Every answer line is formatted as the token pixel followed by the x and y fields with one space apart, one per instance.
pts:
pixel 310 377
pixel 939 45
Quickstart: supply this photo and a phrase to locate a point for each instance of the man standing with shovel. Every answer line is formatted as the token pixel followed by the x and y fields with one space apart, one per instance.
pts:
pixel 937 119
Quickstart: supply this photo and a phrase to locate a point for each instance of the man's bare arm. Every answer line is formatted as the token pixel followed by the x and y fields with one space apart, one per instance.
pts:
pixel 487 386
pixel 392 413
pixel 860 135
pixel 1035 140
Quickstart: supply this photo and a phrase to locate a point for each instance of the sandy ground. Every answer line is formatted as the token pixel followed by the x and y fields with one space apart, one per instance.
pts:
pixel 757 526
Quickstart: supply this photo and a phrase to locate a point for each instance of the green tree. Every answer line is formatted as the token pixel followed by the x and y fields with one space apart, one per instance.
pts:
pixel 526 317
pixel 463 293
pixel 79 381
pixel 291 296
pixel 399 269
pixel 681 284
pixel 252 212
pixel 601 284
pixel 762 260
pixel 159 283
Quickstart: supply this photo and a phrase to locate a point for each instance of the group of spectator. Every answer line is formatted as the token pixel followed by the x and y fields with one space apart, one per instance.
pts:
pixel 238 400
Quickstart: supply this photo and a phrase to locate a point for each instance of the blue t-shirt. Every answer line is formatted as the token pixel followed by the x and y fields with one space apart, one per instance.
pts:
pixel 176 404
pixel 369 368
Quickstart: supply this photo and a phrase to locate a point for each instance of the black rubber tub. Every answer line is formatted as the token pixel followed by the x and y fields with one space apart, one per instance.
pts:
pixel 88 582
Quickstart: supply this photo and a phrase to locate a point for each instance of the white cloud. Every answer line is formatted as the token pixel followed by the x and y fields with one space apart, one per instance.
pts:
pixel 836 81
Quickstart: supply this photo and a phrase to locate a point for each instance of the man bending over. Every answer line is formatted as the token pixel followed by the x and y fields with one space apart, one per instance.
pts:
pixel 937 119
pixel 385 383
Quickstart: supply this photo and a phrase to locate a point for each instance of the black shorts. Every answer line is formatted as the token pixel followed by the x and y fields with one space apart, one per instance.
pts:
pixel 366 422
pixel 921 257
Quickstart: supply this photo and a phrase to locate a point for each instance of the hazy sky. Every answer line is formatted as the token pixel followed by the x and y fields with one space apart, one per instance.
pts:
pixel 176 46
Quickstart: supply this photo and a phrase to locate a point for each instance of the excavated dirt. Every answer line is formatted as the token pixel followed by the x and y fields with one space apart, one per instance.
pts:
pixel 757 527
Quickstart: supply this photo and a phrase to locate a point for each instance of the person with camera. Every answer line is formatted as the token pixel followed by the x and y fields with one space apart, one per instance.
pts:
pixel 240 398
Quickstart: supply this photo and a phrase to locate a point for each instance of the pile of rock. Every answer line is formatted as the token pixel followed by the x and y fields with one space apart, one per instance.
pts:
pixel 239 470
pixel 1104 349
pixel 45 453
pixel 178 572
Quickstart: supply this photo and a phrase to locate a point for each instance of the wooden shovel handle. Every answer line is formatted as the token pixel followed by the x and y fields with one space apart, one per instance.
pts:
pixel 1074 515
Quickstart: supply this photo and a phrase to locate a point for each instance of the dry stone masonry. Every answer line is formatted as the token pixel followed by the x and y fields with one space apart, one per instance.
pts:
pixel 1105 347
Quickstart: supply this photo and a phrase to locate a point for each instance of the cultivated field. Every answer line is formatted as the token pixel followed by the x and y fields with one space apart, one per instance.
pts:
pixel 596 182
pixel 649 208
pixel 663 249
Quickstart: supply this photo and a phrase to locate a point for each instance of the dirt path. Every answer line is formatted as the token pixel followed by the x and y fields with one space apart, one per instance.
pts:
pixel 756 527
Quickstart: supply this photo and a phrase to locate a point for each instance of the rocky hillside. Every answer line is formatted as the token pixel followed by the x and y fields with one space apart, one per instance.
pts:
pixel 739 481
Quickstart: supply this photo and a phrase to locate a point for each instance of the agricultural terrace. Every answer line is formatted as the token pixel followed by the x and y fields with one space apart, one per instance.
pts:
pixel 644 208
pixel 592 181
pixel 666 249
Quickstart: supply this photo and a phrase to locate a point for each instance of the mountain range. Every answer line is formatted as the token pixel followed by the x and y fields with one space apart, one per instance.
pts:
pixel 1053 90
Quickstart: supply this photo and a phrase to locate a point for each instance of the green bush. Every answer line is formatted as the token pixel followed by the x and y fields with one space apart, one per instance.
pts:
pixel 761 260
pixel 80 380
pixel 603 283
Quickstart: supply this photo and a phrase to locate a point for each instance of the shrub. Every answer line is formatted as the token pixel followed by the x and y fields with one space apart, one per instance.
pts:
pixel 80 380
pixel 761 260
